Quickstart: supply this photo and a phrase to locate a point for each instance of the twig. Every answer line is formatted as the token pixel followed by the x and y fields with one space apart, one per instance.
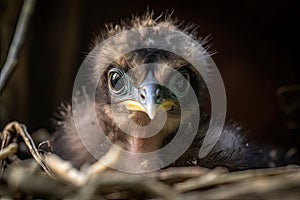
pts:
pixel 108 181
pixel 214 178
pixel 97 180
pixel 280 186
pixel 178 174
pixel 22 179
pixel 287 88
pixel 20 129
pixel 17 42
pixel 9 150
pixel 64 170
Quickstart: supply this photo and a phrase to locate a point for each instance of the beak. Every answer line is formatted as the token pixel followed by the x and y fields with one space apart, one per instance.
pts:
pixel 150 100
pixel 150 96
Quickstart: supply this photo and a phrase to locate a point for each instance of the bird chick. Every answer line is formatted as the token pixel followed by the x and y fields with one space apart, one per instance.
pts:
pixel 138 108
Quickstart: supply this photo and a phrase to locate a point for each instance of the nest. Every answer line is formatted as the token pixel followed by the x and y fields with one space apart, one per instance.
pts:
pixel 47 176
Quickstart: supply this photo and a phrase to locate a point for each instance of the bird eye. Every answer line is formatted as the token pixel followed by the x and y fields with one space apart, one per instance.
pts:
pixel 117 81
pixel 179 84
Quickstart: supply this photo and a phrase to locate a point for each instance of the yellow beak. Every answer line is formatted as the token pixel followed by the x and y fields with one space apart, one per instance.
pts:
pixel 150 110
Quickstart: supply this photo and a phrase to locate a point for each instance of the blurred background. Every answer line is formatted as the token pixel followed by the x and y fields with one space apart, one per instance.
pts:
pixel 257 54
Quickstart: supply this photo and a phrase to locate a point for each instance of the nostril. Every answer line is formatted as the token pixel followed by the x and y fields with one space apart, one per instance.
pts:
pixel 158 97
pixel 158 94
pixel 143 95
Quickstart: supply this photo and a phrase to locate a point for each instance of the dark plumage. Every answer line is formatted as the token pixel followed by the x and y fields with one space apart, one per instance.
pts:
pixel 232 149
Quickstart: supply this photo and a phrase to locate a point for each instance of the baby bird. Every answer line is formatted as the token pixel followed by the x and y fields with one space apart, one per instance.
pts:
pixel 141 91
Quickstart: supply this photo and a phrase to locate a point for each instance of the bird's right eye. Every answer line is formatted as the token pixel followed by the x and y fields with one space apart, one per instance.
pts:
pixel 117 81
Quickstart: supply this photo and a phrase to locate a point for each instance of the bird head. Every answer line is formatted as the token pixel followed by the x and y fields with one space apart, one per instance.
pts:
pixel 140 93
pixel 141 96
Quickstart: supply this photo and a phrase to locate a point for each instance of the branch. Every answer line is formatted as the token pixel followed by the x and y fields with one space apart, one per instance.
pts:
pixel 20 129
pixel 17 42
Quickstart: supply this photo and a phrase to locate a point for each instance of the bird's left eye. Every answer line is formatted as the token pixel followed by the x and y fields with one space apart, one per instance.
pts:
pixel 117 81
pixel 179 84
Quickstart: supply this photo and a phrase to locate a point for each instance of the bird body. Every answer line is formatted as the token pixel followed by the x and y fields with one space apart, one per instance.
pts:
pixel 138 104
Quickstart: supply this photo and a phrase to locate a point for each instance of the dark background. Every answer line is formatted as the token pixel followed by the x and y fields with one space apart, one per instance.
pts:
pixel 256 43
